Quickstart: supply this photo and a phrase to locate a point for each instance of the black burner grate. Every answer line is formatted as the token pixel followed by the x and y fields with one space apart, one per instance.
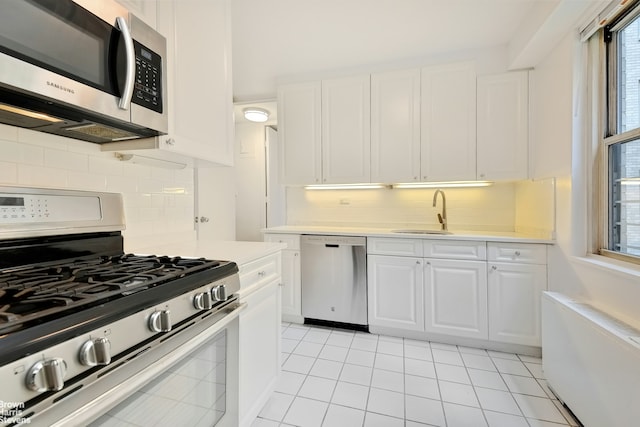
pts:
pixel 33 294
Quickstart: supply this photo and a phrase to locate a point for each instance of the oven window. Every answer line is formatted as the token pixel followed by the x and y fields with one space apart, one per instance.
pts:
pixel 190 393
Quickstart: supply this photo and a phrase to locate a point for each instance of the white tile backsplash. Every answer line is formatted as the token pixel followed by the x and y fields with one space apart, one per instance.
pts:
pixel 8 172
pixel 157 201
pixel 467 208
pixel 504 206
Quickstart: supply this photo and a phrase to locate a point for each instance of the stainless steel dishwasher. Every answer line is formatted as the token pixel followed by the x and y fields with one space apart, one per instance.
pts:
pixel 334 280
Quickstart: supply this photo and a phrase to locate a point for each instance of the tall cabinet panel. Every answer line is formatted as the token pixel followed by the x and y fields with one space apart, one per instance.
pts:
pixel 395 126
pixel 448 136
pixel 503 126
pixel 346 132
pixel 299 118
pixel 199 78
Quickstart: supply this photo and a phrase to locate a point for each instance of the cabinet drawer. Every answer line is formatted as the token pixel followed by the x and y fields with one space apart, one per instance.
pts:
pixel 291 240
pixel 260 271
pixel 518 252
pixel 455 249
pixel 397 247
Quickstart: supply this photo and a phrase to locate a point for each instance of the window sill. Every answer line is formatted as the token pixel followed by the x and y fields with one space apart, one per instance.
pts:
pixel 621 268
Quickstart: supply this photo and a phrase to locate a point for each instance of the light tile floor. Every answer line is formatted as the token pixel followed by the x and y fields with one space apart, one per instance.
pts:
pixel 338 378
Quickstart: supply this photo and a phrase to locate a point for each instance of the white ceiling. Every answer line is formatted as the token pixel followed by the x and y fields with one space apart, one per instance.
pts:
pixel 276 38
pixel 281 39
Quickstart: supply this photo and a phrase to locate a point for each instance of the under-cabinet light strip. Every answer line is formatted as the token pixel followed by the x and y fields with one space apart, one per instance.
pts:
pixel 451 184
pixel 345 187
pixel 448 184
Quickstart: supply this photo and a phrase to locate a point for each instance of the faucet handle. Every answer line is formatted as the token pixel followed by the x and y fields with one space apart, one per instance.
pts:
pixel 440 220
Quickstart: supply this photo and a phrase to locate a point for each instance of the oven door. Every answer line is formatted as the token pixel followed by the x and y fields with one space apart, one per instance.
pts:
pixel 196 384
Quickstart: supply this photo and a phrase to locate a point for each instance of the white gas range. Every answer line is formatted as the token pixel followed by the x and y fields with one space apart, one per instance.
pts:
pixel 89 333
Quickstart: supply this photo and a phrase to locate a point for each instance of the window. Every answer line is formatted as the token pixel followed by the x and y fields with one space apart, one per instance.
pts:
pixel 621 143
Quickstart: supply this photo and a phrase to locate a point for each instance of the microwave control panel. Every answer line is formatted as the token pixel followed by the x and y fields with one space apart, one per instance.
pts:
pixel 148 87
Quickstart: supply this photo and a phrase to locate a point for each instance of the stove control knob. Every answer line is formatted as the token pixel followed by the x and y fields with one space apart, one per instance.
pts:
pixel 203 301
pixel 160 321
pixel 47 375
pixel 96 352
pixel 219 293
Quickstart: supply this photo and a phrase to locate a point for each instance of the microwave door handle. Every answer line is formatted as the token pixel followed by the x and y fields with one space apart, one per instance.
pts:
pixel 127 92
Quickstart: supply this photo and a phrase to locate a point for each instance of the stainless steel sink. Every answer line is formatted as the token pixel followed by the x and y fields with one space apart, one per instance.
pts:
pixel 418 231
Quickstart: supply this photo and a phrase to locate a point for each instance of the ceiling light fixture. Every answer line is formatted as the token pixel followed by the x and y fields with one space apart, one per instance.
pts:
pixel 255 114
pixel 451 184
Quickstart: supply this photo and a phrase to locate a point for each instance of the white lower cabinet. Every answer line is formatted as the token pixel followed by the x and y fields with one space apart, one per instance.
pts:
pixel 291 284
pixel 485 291
pixel 515 292
pixel 259 326
pixel 291 281
pixel 395 292
pixel 456 297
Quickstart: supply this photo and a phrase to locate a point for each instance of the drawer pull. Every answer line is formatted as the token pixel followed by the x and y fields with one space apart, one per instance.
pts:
pixel 261 273
pixel 517 253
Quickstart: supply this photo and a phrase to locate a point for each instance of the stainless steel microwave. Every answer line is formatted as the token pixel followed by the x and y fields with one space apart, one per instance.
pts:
pixel 84 69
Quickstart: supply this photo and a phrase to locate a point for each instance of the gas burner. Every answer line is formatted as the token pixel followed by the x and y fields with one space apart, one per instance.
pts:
pixel 36 293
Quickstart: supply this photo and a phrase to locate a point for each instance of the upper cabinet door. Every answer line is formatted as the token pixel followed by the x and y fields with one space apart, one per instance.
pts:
pixel 199 78
pixel 299 118
pixel 143 9
pixel 395 126
pixel 503 126
pixel 346 121
pixel 448 135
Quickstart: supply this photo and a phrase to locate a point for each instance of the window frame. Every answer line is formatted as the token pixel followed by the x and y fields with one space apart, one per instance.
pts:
pixel 609 77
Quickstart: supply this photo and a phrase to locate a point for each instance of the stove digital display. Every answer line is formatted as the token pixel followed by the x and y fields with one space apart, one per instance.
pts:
pixel 11 201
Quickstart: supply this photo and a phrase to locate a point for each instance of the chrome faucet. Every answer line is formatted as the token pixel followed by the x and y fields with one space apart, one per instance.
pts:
pixel 442 218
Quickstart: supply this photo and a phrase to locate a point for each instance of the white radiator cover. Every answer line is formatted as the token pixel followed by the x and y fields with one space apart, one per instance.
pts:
pixel 591 361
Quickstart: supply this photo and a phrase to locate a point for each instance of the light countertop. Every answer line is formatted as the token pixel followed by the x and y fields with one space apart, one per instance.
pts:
pixel 489 236
pixel 239 252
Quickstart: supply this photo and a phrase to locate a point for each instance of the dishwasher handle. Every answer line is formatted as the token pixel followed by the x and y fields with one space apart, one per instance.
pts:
pixel 333 241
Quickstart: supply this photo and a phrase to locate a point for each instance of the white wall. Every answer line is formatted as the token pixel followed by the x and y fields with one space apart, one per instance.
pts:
pixel 535 207
pixel 557 148
pixel 158 202
pixel 250 180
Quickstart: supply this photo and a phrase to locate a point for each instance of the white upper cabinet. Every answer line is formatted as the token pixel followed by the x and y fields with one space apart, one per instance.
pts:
pixel 299 128
pixel 448 132
pixel 346 130
pixel 503 122
pixel 143 9
pixel 198 36
pixel 395 126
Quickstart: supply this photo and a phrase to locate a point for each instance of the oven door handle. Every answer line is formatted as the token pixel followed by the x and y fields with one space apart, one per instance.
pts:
pixel 97 407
